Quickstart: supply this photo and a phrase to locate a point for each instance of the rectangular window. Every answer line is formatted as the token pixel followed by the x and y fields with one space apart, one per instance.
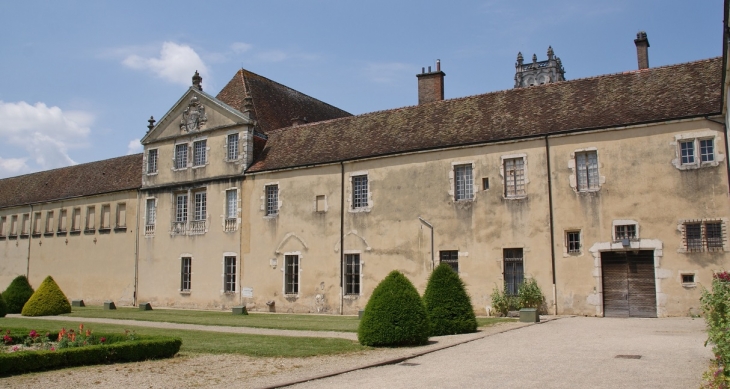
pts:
pixel 485 183
pixel 152 161
pixel 572 241
pixel 181 156
pixel 76 221
pixel 121 215
pixel 186 274
pixel 49 222
pixel 451 258
pixel 25 225
pixel 229 282
pixel 625 231
pixel 37 223
pixel 359 191
pixel 514 177
pixel 463 182
pixel 90 218
pixel 3 220
pixel 151 212
pixel 513 270
pixel 687 150
pixel 199 153
pixel 14 225
pixel 321 202
pixel 232 147
pixel 703 236
pixel 231 204
pixel 587 170
pixel 105 217
pixel 291 274
pixel 201 199
pixel 713 236
pixel 62 222
pixel 352 274
pixel 688 279
pixel 707 150
pixel 272 200
pixel 181 208
pixel 693 236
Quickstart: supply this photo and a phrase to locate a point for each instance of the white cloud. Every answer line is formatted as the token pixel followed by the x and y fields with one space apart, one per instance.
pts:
pixel 176 63
pixel 240 47
pixel 386 72
pixel 134 147
pixel 45 133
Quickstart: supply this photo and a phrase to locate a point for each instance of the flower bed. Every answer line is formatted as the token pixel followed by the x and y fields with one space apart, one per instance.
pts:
pixel 25 350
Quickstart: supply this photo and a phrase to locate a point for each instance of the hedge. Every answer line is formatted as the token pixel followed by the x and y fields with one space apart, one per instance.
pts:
pixel 48 300
pixel 394 315
pixel 448 305
pixel 120 351
pixel 17 293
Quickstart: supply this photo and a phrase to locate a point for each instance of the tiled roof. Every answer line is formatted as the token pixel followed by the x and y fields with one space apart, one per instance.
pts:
pixel 275 105
pixel 643 96
pixel 110 175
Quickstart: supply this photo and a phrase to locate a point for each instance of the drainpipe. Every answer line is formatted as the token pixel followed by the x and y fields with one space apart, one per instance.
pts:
pixel 342 237
pixel 136 251
pixel 727 160
pixel 431 227
pixel 30 238
pixel 552 225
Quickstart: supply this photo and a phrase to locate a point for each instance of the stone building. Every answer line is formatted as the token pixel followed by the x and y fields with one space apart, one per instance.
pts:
pixel 610 191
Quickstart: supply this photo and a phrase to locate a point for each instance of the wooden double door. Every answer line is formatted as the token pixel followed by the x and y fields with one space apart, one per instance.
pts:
pixel 629 284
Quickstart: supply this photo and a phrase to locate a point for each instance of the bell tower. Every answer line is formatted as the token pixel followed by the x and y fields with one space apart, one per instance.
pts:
pixel 538 73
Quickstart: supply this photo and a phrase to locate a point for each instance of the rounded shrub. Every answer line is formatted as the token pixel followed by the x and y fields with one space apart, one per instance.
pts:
pixel 48 300
pixel 448 305
pixel 394 316
pixel 530 294
pixel 17 293
pixel 3 307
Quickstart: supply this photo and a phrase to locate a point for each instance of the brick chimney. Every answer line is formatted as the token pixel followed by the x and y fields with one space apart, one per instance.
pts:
pixel 642 49
pixel 431 84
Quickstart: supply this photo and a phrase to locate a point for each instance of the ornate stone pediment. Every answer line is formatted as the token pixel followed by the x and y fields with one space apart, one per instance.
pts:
pixel 193 118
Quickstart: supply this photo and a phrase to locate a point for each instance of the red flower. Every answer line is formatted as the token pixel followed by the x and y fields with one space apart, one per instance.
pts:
pixel 33 334
pixel 7 339
pixel 102 340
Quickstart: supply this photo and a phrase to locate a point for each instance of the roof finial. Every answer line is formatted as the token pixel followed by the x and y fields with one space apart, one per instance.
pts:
pixel 550 52
pixel 198 81
pixel 520 59
pixel 152 124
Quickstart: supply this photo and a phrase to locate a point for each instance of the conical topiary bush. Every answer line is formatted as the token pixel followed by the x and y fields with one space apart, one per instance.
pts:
pixel 448 305
pixel 48 300
pixel 394 315
pixel 3 307
pixel 17 293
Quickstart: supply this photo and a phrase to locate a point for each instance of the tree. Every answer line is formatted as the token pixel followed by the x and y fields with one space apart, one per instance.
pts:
pixel 48 300
pixel 447 304
pixel 17 293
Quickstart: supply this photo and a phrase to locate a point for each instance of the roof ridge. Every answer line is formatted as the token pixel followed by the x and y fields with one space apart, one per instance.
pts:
pixel 71 166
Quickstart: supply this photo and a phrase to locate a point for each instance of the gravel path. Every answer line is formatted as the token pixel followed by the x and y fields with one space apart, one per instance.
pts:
pixel 229 370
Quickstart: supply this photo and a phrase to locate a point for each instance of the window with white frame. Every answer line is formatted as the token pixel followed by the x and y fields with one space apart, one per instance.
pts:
pixel 463 182
pixel 624 231
pixel 186 274
pixel 150 216
pixel 352 274
pixel 587 170
pixel 514 177
pixel 201 200
pixel 151 161
pixel 181 208
pixel 696 150
pixel 272 200
pixel 199 148
pixel 703 235
pixel 231 203
pixel 291 274
pixel 229 275
pixel 359 191
pixel 181 156
pixel 232 147
pixel 572 242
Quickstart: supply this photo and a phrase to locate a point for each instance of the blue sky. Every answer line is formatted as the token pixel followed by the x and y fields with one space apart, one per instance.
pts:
pixel 80 79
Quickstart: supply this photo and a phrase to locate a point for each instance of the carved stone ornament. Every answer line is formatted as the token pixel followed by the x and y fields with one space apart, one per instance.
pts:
pixel 193 118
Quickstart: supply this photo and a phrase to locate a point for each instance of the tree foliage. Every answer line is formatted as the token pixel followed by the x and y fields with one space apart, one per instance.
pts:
pixel 716 307
pixel 3 307
pixel 394 315
pixel 17 294
pixel 48 300
pixel 447 304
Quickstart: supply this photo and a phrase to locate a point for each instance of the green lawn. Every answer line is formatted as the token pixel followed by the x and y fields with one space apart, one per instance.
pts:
pixel 256 320
pixel 208 342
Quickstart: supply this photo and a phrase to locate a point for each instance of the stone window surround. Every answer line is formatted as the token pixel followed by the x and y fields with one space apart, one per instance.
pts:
pixel 145 162
pixel 144 216
pixel 299 274
pixel 682 249
pixel 279 203
pixel 241 139
pixel 452 180
pixel 186 291
pixel 188 162
pixel 224 215
pixel 696 136
pixel 681 273
pixel 501 173
pixel 567 254
pixel 223 273
pixel 572 165
pixel 623 222
pixel 362 265
pixel 349 190
pixel 191 152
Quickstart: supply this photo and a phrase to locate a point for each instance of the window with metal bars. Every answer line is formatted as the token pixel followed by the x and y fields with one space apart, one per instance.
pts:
pixel 199 152
pixel 513 270
pixel 229 275
pixel 704 236
pixel 232 147
pixel 186 274
pixel 359 191
pixel 514 177
pixel 291 274
pixel 587 170
pixel 201 200
pixel 625 231
pixel 352 274
pixel 451 258
pixel 181 156
pixel 463 182
pixel 272 200
pixel 572 241
pixel 181 208
pixel 152 161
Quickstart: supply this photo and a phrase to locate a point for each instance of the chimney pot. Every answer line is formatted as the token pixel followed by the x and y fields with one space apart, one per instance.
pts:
pixel 431 85
pixel 438 65
pixel 642 49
